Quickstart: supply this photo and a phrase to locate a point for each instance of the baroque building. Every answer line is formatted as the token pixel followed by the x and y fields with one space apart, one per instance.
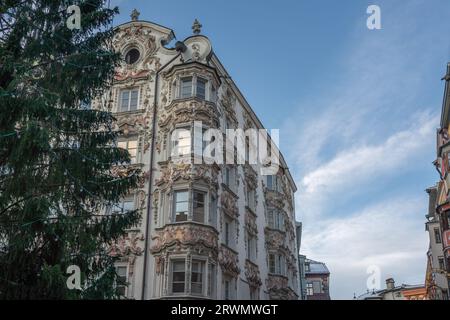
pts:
pixel 208 231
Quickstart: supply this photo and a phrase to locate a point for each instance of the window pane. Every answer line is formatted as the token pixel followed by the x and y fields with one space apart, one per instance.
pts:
pixel 125 100
pixel 181 206
pixel 199 207
pixel 186 87
pixel 128 206
pixel 201 88
pixel 197 277
pixel 134 100
pixel 178 276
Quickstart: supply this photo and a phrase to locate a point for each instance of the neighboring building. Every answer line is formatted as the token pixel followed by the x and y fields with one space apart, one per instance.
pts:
pixel 436 281
pixel 442 215
pixel 392 292
pixel 209 231
pixel 317 280
pixel 301 264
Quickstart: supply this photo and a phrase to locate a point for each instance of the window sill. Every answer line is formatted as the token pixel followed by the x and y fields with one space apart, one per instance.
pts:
pixel 137 111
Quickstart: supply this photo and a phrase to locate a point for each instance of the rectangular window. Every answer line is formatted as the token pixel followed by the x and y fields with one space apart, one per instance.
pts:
pixel 270 182
pixel 129 100
pixel 199 206
pixel 131 146
pixel 251 199
pixel 272 264
pixel 309 289
pixel 123 207
pixel 121 282
pixel 197 276
pixel 186 87
pixel 441 263
pixel 227 233
pixel 181 142
pixel 213 212
pixel 201 88
pixel 227 290
pixel 251 247
pixel 181 205
pixel 437 235
pixel 178 276
pixel 317 287
pixel 211 280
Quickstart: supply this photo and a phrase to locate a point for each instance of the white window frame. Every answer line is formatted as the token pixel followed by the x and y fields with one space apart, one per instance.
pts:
pixel 121 92
pixel 122 265
pixel 133 160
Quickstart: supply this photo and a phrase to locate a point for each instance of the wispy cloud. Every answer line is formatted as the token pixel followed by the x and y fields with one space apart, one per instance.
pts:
pixel 363 133
pixel 389 235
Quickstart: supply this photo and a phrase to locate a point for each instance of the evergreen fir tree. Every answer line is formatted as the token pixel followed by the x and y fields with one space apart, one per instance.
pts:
pixel 58 160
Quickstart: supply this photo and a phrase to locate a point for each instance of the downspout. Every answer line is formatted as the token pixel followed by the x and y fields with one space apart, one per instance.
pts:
pixel 149 203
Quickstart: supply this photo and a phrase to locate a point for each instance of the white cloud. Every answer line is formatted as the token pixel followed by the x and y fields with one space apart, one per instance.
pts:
pixel 362 164
pixel 389 235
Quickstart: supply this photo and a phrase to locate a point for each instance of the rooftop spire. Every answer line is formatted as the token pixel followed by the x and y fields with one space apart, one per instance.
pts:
pixel 196 27
pixel 135 15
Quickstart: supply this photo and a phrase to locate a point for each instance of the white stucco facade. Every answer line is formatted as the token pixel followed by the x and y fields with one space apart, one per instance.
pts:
pixel 208 231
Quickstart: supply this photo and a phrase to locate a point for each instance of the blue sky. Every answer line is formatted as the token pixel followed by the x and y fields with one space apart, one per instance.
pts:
pixel 357 110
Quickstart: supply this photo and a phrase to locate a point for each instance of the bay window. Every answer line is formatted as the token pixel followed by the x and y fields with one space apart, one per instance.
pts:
pixel 190 205
pixel 196 86
pixel 199 206
pixel 201 88
pixel 197 275
pixel 186 87
pixel 181 206
pixel 193 271
pixel 178 271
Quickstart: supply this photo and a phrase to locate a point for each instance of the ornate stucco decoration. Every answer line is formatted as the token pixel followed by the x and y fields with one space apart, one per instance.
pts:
pixel 187 172
pixel 250 222
pixel 229 261
pixel 182 111
pixel 185 235
pixel 128 248
pixel 140 37
pixel 229 204
pixel 274 239
pixel 227 102
pixel 252 274
pixel 279 289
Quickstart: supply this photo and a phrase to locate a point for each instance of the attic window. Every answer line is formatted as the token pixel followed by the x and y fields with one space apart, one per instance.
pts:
pixel 132 56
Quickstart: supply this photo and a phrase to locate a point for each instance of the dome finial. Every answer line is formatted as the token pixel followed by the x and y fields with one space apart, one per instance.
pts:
pixel 135 15
pixel 196 27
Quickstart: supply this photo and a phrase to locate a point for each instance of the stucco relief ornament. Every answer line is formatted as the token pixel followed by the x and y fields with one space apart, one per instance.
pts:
pixel 229 204
pixel 184 236
pixel 175 172
pixel 252 274
pixel 229 261
pixel 196 52
pixel 128 247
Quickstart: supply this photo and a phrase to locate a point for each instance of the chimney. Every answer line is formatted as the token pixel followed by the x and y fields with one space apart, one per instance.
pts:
pixel 390 284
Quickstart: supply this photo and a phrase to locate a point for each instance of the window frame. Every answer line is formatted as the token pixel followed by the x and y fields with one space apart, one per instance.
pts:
pixel 121 100
pixel 127 140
